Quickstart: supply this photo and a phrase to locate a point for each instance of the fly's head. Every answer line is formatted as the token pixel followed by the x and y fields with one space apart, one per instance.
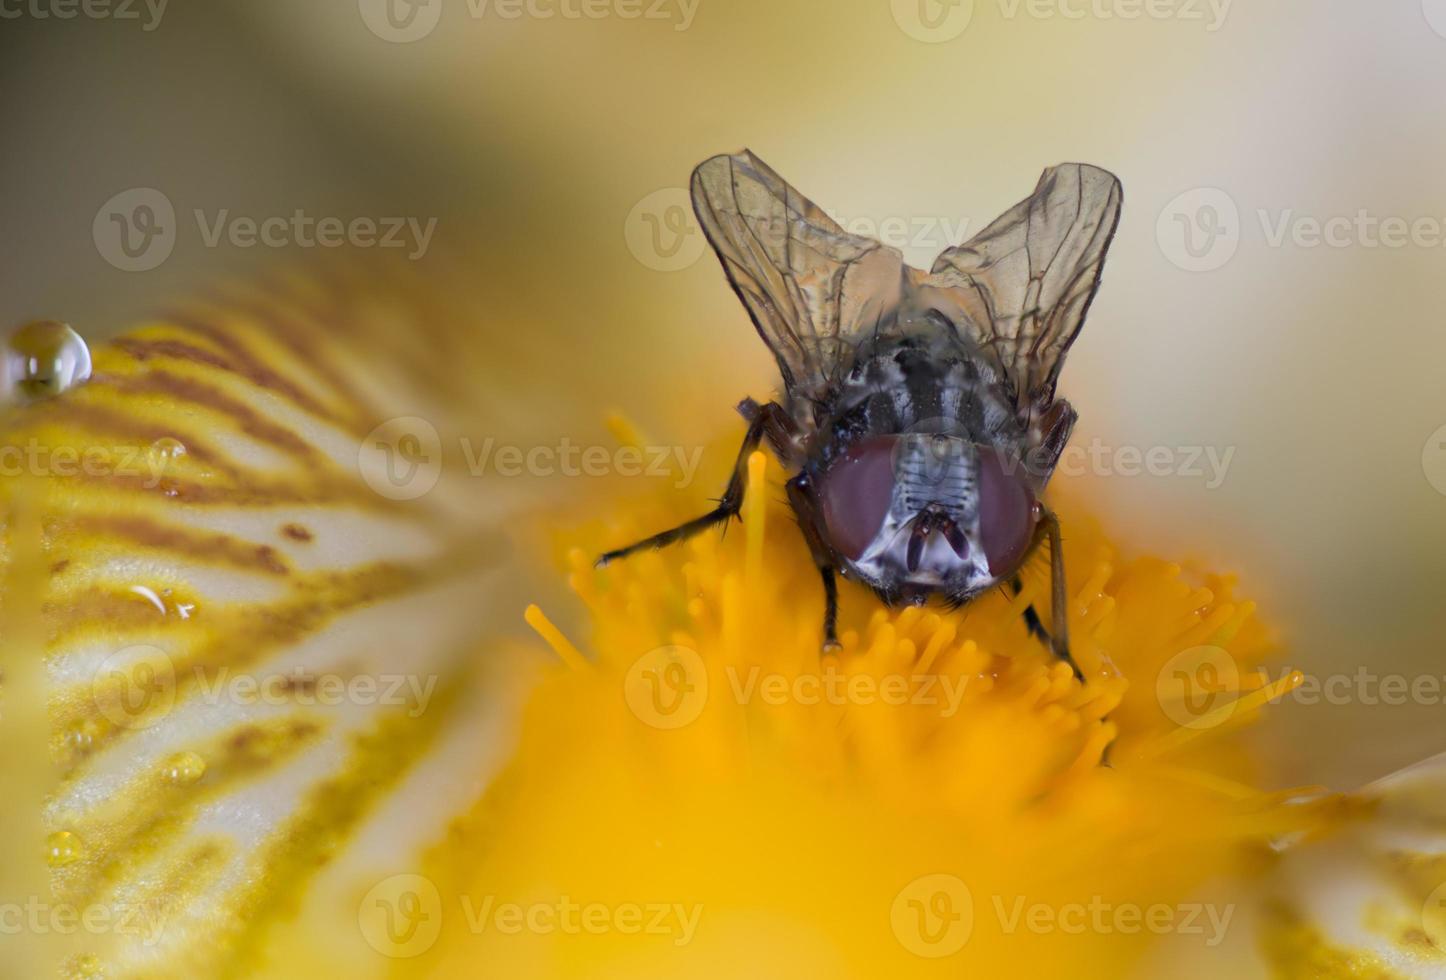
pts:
pixel 918 514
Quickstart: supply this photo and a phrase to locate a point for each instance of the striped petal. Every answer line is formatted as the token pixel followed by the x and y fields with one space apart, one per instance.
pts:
pixel 250 625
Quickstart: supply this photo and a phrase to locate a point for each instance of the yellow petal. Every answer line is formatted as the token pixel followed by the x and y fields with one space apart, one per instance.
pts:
pixel 245 607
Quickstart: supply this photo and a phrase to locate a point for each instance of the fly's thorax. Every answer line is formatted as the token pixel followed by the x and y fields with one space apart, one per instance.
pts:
pixel 917 385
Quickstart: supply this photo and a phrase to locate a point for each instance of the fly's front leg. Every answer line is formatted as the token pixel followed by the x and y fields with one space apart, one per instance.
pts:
pixel 1031 616
pixel 761 419
pixel 1059 594
pixel 1057 636
pixel 1059 614
pixel 800 497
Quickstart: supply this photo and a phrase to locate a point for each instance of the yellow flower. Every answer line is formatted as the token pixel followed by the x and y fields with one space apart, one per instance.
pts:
pixel 929 801
pixel 691 789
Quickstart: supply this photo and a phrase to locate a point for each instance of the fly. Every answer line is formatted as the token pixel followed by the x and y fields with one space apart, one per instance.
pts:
pixel 918 419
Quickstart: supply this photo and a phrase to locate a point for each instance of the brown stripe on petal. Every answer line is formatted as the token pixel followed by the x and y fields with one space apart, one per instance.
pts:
pixel 246 363
pixel 177 389
pixel 85 422
pixel 213 548
pixel 146 349
pixel 292 327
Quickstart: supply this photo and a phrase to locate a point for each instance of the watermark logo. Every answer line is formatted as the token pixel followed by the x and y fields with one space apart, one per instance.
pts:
pixel 933 916
pixel 667 688
pixel 401 459
pixel 932 21
pixel 661 233
pixel 1194 684
pixel 1433 916
pixel 1199 231
pixel 135 687
pixel 401 21
pixel 401 916
pixel 135 230
pixel 1433 460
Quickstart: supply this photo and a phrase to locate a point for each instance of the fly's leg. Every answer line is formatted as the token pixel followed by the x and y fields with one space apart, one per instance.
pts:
pixel 800 497
pixel 1031 617
pixel 1059 599
pixel 761 419
pixel 1057 636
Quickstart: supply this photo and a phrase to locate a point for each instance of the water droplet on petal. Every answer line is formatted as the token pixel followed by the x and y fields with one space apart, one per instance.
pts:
pixel 85 967
pixel 166 450
pixel 44 358
pixel 81 734
pixel 62 848
pixel 185 768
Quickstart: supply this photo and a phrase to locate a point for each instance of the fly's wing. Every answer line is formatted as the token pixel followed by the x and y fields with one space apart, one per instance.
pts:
pixel 811 288
pixel 1025 282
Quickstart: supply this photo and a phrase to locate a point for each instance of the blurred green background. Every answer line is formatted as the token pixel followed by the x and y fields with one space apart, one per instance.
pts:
pixel 549 139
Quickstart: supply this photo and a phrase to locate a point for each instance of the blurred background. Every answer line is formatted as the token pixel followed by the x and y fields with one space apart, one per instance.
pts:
pixel 1259 383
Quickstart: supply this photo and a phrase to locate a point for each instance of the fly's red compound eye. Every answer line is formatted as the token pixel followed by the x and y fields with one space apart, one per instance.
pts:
pixel 1006 512
pixel 856 493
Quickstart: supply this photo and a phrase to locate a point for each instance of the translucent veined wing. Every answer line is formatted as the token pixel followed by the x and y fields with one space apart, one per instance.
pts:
pixel 809 286
pixel 1026 282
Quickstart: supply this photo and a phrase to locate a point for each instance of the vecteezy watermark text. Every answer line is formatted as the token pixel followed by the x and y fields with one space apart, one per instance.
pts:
pixel 136 687
pixel 148 12
pixel 671 919
pixel 938 21
pixel 1096 458
pixel 1201 229
pixel 668 688
pixel 405 21
pixel 935 915
pixel 37 916
pixel 402 459
pixel 401 917
pixel 137 229
pixel 303 230
pixel 34 458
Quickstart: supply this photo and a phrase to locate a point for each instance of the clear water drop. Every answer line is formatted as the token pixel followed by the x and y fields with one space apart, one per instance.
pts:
pixel 185 768
pixel 84 967
pixel 42 359
pixel 81 734
pixel 62 848
pixel 166 450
